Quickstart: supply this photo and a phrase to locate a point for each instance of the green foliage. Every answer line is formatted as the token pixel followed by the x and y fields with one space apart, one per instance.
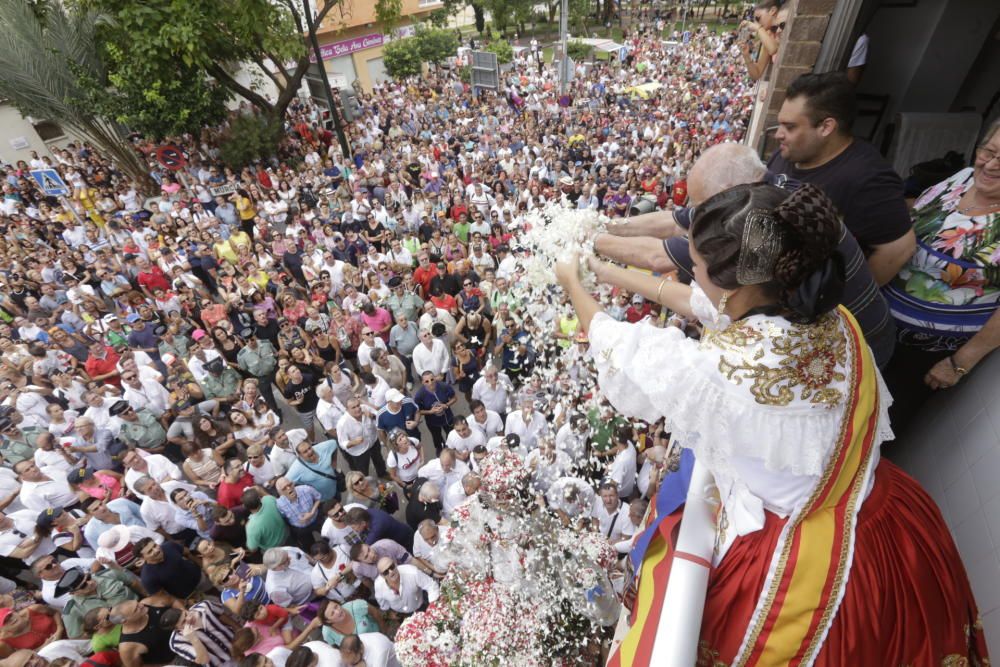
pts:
pixel 249 137
pixel 387 12
pixel 439 17
pixel 402 57
pixel 465 74
pixel 578 50
pixel 511 13
pixel 157 105
pixel 436 44
pixel 430 45
pixel 503 49
pixel 46 48
pixel 161 45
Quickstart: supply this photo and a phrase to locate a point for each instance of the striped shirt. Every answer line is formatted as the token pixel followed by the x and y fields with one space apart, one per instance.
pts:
pixel 216 636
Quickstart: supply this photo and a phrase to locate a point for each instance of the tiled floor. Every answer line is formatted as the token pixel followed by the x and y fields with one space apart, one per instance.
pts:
pixel 956 456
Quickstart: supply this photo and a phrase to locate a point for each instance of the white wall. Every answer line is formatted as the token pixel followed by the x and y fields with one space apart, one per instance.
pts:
pixel 920 56
pixel 14 127
pixel 955 454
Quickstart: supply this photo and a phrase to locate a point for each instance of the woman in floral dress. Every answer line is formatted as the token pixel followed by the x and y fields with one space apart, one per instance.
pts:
pixel 945 299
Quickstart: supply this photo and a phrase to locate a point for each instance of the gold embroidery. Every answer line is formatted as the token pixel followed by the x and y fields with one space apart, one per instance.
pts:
pixel 707 656
pixel 765 605
pixel 809 359
pixel 722 525
pixel 955 660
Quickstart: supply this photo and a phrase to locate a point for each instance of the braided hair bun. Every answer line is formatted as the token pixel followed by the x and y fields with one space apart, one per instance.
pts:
pixel 811 221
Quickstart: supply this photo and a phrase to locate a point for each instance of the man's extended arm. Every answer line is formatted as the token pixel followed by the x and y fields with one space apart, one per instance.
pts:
pixel 644 252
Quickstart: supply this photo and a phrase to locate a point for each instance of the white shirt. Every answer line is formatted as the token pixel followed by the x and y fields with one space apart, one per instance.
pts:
pixel 335 535
pixel 584 503
pixel 494 398
pixel 436 359
pixel 466 444
pixel 321 575
pixel 197 366
pixel 328 655
pixel 263 473
pixel 432 471
pixel 612 522
pixel 491 427
pixel 349 428
pixel 365 350
pixel 405 465
pixel 159 467
pixel 530 430
pixel 160 514
pixel 453 496
pixel 544 472
pixel 329 414
pixel 572 443
pixel 293 585
pixel 151 395
pixel 622 470
pixel 54 492
pixel 412 585
pixel 379 651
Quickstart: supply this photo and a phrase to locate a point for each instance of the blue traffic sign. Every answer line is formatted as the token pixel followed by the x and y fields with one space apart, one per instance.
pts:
pixel 50 182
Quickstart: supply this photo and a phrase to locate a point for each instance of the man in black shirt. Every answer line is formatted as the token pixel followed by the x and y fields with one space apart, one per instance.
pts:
pixel 166 570
pixel 300 391
pixel 814 129
pixel 718 169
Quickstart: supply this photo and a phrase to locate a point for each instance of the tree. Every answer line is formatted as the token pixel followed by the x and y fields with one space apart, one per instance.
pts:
pixel 503 49
pixel 578 51
pixel 249 137
pixel 157 105
pixel 429 45
pixel 435 44
pixel 213 38
pixel 44 49
pixel 402 57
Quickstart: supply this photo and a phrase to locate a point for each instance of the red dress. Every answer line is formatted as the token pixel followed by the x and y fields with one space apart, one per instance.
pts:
pixel 906 574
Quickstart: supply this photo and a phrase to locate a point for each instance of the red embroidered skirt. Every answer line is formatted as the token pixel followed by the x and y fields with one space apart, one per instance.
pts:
pixel 908 601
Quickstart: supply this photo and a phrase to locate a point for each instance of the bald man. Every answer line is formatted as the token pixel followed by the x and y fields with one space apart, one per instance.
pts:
pixel 657 241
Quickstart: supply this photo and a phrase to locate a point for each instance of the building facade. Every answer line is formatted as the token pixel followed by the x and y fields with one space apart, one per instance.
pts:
pixel 351 40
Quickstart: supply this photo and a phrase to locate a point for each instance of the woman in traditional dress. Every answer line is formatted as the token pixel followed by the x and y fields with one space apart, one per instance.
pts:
pixel 823 553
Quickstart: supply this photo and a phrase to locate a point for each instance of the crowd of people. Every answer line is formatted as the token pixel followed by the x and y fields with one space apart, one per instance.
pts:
pixel 236 417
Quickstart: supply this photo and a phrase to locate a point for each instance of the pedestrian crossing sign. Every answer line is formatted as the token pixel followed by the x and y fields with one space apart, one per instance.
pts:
pixel 50 182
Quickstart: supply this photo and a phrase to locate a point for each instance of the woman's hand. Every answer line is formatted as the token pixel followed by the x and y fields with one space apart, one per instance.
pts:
pixel 568 270
pixel 942 375
pixel 752 26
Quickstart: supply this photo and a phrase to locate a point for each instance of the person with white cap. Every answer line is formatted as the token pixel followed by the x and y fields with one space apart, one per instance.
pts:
pixel 116 544
pixel 399 412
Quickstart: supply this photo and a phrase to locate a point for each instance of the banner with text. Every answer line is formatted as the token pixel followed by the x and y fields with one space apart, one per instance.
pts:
pixel 349 46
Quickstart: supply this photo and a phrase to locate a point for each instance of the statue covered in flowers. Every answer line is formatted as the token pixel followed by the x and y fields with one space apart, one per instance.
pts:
pixel 521 587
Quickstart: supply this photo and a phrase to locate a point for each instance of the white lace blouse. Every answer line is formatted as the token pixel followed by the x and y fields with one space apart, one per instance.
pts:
pixel 760 402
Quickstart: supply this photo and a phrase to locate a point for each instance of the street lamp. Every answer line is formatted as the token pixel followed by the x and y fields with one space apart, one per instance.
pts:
pixel 338 128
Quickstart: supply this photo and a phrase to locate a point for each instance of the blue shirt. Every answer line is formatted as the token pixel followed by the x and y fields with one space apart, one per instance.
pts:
pixel 426 398
pixel 256 592
pixel 386 421
pixel 320 475
pixel 384 527
pixel 292 510
pixel 128 514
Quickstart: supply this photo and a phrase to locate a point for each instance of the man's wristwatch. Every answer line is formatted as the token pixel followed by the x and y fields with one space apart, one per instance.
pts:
pixel 959 370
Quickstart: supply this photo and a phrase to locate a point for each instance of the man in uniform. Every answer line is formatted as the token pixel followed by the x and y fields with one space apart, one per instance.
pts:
pixel 222 383
pixel 139 428
pixel 258 359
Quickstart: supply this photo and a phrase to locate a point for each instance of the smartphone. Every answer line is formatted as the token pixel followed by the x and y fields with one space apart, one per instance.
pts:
pixel 242 570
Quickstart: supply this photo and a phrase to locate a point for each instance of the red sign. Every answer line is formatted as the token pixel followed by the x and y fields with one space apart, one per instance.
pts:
pixel 171 157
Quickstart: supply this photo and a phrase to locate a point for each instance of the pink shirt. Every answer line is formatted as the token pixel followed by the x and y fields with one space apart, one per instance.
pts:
pixel 377 321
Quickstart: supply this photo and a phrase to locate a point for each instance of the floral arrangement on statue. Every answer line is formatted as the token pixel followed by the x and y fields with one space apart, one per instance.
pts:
pixel 521 588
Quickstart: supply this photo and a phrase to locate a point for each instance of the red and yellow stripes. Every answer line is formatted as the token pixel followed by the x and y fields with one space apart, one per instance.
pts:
pixel 637 646
pixel 813 558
